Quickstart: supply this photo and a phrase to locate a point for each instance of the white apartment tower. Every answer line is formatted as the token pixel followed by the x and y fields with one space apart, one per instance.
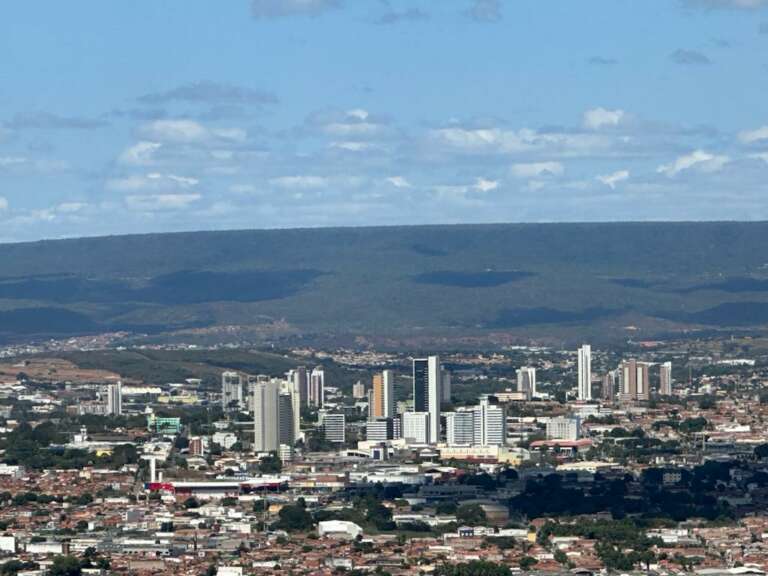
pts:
pixel 427 393
pixel 115 399
pixel 489 424
pixel 460 427
pixel 585 372
pixel 665 379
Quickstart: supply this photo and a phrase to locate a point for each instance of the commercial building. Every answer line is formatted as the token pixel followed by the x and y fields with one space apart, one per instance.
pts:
pixel 563 428
pixel 380 430
pixel 415 427
pixel 358 390
pixel 334 426
pixel 585 372
pixel 427 394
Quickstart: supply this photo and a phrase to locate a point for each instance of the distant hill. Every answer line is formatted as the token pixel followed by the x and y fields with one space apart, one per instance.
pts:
pixel 538 280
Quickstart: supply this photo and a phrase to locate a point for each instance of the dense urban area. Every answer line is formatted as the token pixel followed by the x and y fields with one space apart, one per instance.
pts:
pixel 236 461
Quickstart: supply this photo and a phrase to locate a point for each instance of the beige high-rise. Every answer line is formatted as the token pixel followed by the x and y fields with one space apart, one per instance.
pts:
pixel 383 400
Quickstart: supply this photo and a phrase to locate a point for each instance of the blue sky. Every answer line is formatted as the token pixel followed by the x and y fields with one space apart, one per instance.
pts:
pixel 146 116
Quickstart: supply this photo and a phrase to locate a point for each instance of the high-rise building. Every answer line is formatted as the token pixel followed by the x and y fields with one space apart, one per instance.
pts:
pixel 231 392
pixel 643 381
pixel 635 382
pixel 460 427
pixel 334 426
pixel 358 390
pixel 288 388
pixel 628 370
pixel 415 427
pixel 564 428
pixel 665 379
pixel 427 393
pixel 585 372
pixel 489 424
pixel 300 379
pixel 526 381
pixel 380 430
pixel 317 387
pixel 383 395
pixel 266 416
pixel 287 436
pixel 114 399
pixel 609 386
pixel 445 385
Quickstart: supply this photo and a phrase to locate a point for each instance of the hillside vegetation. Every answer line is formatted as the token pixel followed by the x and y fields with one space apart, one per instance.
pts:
pixel 394 280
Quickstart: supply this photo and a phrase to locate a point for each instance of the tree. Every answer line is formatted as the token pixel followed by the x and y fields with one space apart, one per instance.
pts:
pixel 84 499
pixel 294 518
pixel 470 515
pixel 527 562
pixel 65 566
pixel 191 503
pixel 270 464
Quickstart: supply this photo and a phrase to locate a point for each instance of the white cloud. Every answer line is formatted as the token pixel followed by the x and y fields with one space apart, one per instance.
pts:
pixel 358 113
pixel 189 131
pixel 152 181
pixel 761 156
pixel 611 180
pixel 698 159
pixel 352 129
pixel 71 207
pixel 752 136
pixel 351 146
pixel 3 204
pixel 158 202
pixel 140 154
pixel 6 161
pixel 537 169
pixel 399 182
pixel 484 185
pixel 598 118
pixel 302 182
pixel 490 140
pixel 182 181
